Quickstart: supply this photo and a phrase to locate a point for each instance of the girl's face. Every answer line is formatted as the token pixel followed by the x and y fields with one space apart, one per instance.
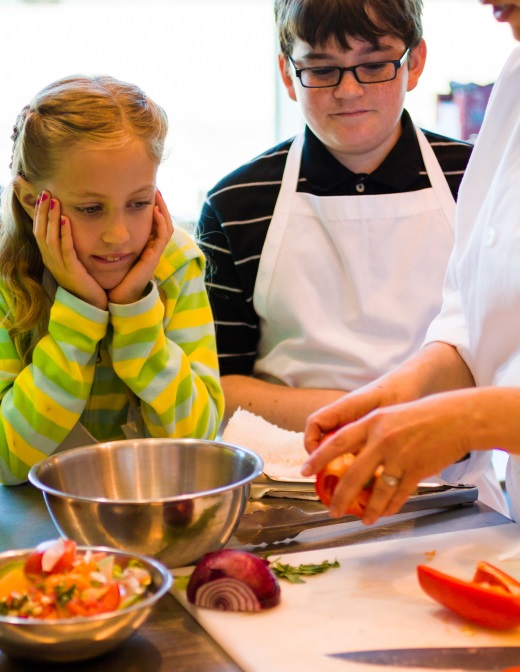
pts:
pixel 108 196
pixel 506 11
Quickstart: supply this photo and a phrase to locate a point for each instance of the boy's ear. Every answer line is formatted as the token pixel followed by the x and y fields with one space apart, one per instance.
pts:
pixel 417 60
pixel 283 65
pixel 26 194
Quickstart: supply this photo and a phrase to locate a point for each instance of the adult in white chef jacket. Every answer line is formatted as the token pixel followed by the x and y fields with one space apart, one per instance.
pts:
pixel 461 391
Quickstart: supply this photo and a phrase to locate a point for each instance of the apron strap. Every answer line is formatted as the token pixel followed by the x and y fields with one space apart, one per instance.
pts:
pixel 272 243
pixel 438 180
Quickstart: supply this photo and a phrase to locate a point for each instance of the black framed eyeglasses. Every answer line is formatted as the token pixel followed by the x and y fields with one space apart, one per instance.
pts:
pixel 322 77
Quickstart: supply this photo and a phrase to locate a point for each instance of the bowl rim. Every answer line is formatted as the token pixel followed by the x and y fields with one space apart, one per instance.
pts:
pixel 149 601
pixel 35 480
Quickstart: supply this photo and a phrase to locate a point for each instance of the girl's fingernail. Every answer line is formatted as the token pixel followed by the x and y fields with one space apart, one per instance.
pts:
pixel 51 204
pixel 38 201
pixel 45 196
pixel 62 221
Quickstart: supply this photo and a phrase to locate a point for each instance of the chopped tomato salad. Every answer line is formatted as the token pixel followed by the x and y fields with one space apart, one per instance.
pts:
pixel 58 581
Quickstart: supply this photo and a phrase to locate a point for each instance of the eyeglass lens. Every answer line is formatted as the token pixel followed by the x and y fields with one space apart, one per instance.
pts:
pixel 369 73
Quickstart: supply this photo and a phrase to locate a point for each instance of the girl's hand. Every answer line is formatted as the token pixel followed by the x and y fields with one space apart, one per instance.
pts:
pixel 132 287
pixel 53 235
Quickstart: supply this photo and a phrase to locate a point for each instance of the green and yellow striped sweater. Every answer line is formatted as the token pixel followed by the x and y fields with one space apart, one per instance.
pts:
pixel 163 351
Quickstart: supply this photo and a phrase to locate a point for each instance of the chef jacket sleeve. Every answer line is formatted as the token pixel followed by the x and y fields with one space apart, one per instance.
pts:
pixel 450 324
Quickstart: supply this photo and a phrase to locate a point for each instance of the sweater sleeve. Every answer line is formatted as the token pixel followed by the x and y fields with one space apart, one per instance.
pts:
pixel 163 348
pixel 41 402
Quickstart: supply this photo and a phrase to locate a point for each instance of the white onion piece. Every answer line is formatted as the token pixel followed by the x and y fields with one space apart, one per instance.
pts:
pixel 227 595
pixel 52 552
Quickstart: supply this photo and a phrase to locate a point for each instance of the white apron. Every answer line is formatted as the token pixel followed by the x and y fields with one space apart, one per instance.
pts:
pixel 347 285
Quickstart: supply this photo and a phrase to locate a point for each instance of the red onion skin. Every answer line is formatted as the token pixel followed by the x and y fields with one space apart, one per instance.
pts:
pixel 239 565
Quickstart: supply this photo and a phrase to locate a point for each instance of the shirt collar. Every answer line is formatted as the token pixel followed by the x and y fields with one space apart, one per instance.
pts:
pixel 398 171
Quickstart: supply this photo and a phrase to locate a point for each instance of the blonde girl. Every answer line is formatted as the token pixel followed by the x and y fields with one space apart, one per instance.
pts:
pixel 105 326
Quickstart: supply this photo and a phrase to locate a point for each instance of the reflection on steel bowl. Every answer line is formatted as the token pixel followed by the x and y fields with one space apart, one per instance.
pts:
pixel 174 499
pixel 80 638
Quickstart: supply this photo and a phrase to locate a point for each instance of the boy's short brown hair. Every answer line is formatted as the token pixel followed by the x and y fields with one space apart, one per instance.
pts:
pixel 317 21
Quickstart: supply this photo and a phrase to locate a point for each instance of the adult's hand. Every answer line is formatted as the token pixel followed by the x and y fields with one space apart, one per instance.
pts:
pixel 438 367
pixel 410 442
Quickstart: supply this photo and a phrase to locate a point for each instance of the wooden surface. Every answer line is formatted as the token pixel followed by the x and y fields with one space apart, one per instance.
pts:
pixel 171 639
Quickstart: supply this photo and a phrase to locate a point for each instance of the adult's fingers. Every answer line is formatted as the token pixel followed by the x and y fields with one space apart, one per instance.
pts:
pixel 388 496
pixel 351 407
pixel 347 439
pixel 360 473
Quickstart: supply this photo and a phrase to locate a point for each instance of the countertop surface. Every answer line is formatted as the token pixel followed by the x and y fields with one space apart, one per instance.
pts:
pixel 172 639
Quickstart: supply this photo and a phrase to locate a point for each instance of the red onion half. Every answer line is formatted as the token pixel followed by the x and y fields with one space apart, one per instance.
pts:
pixel 233 580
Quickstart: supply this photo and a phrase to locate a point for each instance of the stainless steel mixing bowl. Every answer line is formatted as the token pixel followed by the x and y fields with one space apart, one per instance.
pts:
pixel 72 639
pixel 174 499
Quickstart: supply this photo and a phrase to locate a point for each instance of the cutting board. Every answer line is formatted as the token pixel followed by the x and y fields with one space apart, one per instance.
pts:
pixel 372 601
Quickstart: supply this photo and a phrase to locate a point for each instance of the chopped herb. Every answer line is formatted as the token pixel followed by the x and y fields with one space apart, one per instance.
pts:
pixel 63 596
pixel 18 601
pixel 294 574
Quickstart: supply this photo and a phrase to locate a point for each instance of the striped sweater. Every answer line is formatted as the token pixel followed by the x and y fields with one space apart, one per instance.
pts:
pixel 91 362
pixel 238 210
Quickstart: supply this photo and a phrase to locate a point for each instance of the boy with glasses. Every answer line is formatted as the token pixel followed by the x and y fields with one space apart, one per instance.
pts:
pixel 327 253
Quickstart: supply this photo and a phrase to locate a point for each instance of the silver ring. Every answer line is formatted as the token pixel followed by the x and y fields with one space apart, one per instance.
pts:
pixel 391 481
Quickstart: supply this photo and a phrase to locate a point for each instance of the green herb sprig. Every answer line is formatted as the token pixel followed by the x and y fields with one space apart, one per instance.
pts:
pixel 294 574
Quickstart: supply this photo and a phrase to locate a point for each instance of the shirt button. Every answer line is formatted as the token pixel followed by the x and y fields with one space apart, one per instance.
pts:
pixel 490 235
pixel 360 187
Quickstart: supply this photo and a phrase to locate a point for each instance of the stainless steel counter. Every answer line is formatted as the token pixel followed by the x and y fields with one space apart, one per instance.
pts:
pixel 171 639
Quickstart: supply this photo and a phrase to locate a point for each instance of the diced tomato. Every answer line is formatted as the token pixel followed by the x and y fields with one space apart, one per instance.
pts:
pixel 94 601
pixel 491 598
pixel 328 478
pixel 65 556
pixel 33 564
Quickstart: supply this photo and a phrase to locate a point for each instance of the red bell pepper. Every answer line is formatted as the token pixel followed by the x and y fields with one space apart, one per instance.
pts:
pixel 491 598
pixel 328 478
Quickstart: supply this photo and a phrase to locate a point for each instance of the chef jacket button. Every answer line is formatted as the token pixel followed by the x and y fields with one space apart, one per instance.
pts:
pixel 490 235
pixel 360 187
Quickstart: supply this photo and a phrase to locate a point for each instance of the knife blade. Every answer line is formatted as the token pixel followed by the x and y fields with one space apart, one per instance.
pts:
pixel 476 659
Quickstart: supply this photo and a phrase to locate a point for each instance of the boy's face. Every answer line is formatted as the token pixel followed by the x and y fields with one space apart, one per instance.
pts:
pixel 358 123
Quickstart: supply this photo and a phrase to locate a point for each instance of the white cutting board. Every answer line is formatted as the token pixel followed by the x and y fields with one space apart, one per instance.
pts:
pixel 372 601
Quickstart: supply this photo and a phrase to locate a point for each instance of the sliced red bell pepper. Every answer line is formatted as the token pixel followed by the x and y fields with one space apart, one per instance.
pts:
pixel 491 598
